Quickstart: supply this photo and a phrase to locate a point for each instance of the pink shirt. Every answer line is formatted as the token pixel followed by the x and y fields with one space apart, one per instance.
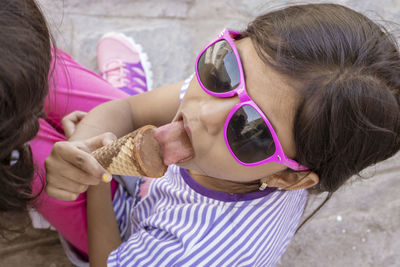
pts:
pixel 73 87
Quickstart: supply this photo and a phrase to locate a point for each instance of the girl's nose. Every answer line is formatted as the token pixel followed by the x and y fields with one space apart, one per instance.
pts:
pixel 214 111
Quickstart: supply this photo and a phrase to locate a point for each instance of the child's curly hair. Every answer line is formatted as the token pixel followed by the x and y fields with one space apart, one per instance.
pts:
pixel 25 56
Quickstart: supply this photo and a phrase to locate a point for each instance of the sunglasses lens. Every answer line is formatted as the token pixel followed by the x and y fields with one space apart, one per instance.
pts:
pixel 248 136
pixel 218 69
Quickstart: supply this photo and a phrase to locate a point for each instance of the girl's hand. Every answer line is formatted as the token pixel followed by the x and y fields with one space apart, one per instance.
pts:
pixel 70 168
pixel 70 122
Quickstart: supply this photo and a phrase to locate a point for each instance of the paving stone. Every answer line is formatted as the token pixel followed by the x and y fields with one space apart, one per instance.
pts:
pixel 33 248
pixel 168 65
pixel 128 8
pixel 359 226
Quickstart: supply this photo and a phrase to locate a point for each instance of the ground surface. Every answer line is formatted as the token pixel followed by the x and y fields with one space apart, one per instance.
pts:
pixel 358 227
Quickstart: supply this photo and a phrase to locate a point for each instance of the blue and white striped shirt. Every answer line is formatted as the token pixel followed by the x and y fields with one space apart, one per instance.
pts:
pixel 181 223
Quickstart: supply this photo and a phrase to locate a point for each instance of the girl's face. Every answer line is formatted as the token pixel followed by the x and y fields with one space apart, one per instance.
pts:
pixel 205 116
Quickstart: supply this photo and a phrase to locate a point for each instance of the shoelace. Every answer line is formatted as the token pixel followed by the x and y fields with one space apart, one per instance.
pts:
pixel 121 74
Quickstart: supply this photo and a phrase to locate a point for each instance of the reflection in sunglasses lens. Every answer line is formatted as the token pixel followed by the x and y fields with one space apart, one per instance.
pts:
pixel 218 69
pixel 248 136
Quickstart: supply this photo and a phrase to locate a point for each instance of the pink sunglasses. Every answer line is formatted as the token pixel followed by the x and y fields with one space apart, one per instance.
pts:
pixel 248 134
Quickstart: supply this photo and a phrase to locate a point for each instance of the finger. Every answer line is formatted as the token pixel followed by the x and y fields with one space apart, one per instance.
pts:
pixel 75 116
pixel 100 140
pixel 79 115
pixel 80 159
pixel 58 170
pixel 60 194
pixel 82 177
pixel 68 184
pixel 69 127
pixel 70 121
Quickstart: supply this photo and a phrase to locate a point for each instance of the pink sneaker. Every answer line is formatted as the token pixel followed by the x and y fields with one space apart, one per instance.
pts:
pixel 123 63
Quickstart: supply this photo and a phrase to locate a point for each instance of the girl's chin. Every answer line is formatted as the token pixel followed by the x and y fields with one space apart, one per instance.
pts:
pixel 186 164
pixel 189 165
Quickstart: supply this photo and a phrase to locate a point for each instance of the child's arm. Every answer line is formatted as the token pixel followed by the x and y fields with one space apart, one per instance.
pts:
pixel 122 116
pixel 67 162
pixel 103 231
pixel 70 168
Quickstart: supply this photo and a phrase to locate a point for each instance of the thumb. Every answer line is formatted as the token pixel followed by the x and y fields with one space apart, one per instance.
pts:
pixel 70 122
pixel 100 141
pixel 69 128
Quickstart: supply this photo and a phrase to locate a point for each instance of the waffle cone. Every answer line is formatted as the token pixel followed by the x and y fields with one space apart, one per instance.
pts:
pixel 105 154
pixel 125 156
pixel 124 163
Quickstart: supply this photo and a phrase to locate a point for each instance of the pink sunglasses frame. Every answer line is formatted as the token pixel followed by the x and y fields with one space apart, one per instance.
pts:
pixel 279 156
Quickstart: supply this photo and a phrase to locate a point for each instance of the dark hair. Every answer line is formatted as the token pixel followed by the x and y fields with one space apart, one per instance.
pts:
pixel 348 68
pixel 25 56
pixel 349 71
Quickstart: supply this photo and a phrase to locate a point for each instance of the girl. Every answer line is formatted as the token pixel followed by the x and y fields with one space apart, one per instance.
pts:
pixel 313 92
pixel 25 56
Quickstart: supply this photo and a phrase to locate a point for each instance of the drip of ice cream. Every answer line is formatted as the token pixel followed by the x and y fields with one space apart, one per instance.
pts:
pixel 174 142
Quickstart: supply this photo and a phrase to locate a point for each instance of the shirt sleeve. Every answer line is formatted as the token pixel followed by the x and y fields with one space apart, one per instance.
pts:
pixel 185 87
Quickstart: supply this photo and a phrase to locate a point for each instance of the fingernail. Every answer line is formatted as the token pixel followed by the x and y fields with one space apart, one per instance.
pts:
pixel 108 141
pixel 107 177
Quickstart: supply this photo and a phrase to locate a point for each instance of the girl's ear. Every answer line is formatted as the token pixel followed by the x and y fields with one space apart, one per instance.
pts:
pixel 291 180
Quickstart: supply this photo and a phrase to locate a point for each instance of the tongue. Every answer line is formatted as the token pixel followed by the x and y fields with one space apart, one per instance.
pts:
pixel 174 142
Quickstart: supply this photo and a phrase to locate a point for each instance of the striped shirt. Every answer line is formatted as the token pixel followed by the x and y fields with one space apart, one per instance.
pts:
pixel 181 223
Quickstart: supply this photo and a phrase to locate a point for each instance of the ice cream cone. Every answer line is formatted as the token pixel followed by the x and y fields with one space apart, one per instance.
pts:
pixel 135 154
